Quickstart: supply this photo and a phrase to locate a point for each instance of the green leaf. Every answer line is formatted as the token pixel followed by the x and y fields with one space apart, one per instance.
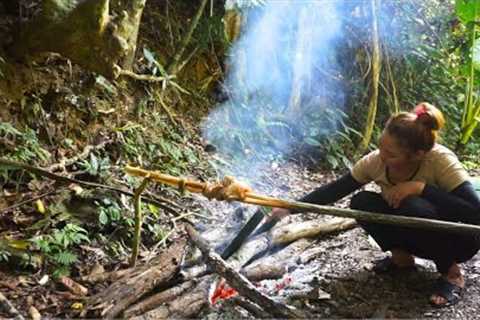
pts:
pixel 65 258
pixel 467 10
pixel 102 217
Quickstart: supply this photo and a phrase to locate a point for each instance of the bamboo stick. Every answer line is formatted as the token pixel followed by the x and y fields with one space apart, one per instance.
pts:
pixel 252 198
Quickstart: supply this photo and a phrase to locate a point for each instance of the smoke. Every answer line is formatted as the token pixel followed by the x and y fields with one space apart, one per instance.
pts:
pixel 285 86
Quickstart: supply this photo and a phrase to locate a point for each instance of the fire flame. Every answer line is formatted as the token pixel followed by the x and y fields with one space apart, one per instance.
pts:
pixel 223 291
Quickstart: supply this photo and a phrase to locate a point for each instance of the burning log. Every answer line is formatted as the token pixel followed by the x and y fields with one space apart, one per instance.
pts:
pixel 121 294
pixel 274 266
pixel 240 283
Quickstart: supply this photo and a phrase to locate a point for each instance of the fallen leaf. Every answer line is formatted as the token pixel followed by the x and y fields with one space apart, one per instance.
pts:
pixel 34 314
pixel 40 206
pixel 77 306
pixel 73 286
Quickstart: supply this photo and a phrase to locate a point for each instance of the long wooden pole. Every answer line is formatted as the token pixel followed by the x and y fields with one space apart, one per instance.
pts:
pixel 252 198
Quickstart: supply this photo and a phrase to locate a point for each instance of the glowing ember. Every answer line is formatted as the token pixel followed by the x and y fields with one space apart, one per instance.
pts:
pixel 222 292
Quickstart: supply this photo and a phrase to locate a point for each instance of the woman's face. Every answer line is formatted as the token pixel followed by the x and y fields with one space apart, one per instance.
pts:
pixel 392 153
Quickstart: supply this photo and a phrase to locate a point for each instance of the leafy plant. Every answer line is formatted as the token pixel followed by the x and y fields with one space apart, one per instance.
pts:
pixel 95 166
pixel 110 212
pixel 27 146
pixel 4 255
pixel 469 12
pixel 57 247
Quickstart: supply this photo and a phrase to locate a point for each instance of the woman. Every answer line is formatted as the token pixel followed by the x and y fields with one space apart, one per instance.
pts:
pixel 419 178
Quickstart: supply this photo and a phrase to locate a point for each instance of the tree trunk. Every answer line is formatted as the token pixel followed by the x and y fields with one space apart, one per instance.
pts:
pixel 376 67
pixel 100 35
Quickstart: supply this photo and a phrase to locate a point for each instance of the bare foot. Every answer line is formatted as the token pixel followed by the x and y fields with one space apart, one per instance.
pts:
pixel 454 276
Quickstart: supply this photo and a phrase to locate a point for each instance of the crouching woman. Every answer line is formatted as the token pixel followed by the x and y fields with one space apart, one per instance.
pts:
pixel 419 178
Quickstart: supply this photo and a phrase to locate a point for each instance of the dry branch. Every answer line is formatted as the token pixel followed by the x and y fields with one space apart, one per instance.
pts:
pixel 45 173
pixel 83 155
pixel 246 196
pixel 6 305
pixel 24 202
pixel 120 295
pixel 137 199
pixel 239 282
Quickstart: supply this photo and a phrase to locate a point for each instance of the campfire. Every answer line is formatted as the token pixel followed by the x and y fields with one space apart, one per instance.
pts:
pixel 261 267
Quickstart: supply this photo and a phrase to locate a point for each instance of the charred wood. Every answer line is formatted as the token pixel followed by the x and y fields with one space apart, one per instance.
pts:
pixel 239 282
pixel 251 307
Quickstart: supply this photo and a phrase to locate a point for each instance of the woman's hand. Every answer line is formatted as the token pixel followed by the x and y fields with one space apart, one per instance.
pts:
pixel 398 193
pixel 278 213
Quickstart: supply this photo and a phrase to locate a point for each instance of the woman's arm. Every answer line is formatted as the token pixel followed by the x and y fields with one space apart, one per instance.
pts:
pixel 325 194
pixel 461 204
pixel 333 191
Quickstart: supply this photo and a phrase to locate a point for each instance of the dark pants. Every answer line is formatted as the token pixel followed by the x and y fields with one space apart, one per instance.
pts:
pixel 442 247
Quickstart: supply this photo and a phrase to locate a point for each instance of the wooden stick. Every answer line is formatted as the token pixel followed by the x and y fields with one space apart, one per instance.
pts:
pixel 137 199
pixel 252 198
pixel 10 308
pixel 239 282
pixel 21 203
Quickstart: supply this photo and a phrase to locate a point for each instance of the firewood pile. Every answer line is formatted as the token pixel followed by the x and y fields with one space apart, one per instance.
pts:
pixel 190 276
pixel 262 276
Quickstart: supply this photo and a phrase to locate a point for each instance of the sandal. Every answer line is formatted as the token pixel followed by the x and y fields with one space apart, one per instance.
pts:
pixel 449 291
pixel 386 265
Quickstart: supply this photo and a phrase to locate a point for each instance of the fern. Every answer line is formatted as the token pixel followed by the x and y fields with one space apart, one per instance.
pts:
pixel 57 247
pixel 65 258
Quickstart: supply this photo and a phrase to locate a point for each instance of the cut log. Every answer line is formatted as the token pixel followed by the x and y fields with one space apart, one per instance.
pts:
pixel 188 305
pixel 310 229
pixel 106 276
pixel 275 266
pixel 158 299
pixel 240 283
pixel 116 298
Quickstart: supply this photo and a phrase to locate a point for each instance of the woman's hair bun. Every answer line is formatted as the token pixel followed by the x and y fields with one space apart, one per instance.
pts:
pixel 429 116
